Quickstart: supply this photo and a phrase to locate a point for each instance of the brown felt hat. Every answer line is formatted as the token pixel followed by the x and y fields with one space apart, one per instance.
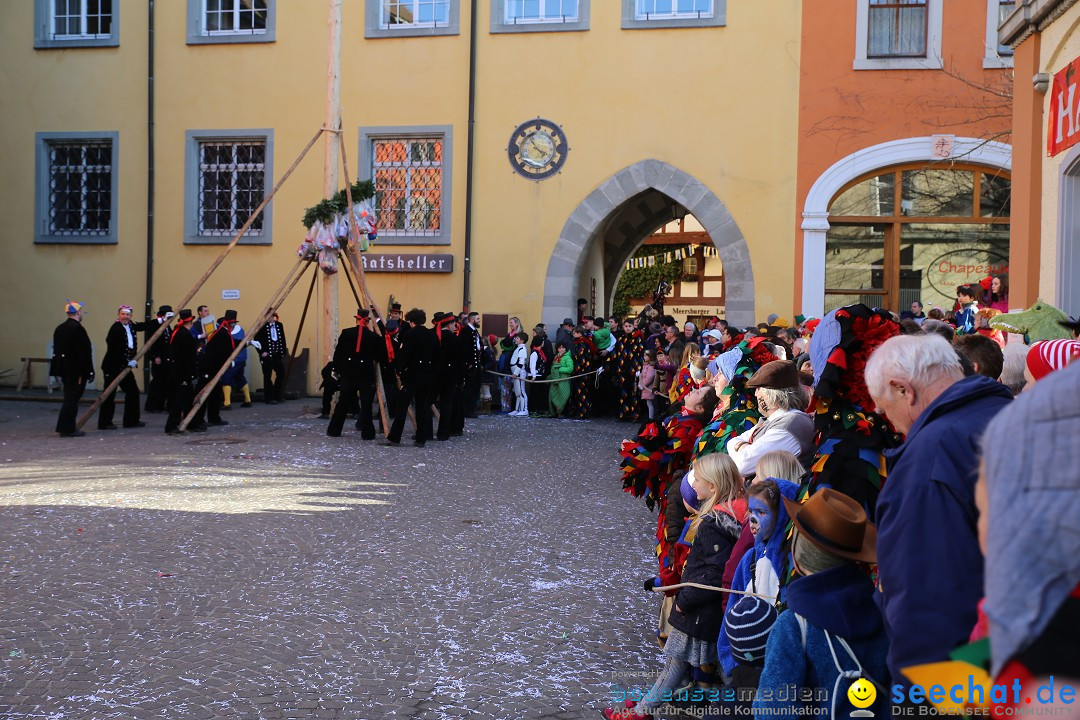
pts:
pixel 778 374
pixel 835 523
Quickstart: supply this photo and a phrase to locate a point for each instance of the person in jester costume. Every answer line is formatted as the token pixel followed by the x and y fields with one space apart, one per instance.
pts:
pixel 626 361
pixel 581 389
pixel 737 411
pixel 851 438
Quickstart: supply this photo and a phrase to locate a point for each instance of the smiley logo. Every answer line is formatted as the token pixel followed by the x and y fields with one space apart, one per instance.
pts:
pixel 862 693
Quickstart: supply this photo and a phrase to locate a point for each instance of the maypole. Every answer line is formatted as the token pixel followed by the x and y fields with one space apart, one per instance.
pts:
pixel 328 326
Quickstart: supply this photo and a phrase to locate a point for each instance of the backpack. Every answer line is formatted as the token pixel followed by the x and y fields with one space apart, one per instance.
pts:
pixel 842 674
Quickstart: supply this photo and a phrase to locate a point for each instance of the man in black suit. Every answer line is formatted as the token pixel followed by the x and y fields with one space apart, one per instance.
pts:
pixel 271 337
pixel 157 359
pixel 358 349
pixel 121 346
pixel 449 376
pixel 416 368
pixel 219 347
pixel 183 348
pixel 73 363
pixel 474 364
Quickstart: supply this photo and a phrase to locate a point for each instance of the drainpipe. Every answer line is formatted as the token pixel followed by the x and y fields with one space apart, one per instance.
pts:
pixel 466 301
pixel 150 177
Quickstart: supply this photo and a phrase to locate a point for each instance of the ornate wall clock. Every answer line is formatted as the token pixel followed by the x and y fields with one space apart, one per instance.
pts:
pixel 538 149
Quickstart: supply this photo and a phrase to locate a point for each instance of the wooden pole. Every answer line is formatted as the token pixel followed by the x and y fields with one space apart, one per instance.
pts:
pixel 328 314
pixel 300 329
pixel 275 301
pixel 205 276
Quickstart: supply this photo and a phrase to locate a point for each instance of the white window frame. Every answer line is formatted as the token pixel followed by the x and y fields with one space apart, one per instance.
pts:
pixel 368 136
pixel 673 15
pixel 42 202
pixel 235 12
pixel 993 57
pixel 932 61
pixel 412 25
pixel 374 27
pixel 199 34
pixel 193 179
pixel 45 24
pixel 501 22
pixel 542 18
pixel 632 19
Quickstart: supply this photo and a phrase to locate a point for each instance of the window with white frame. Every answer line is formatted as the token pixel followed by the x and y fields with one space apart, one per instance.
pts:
pixel 897 28
pixel 898 35
pixel 232 184
pixel 540 11
pixel 673 9
pixel 229 17
pixel 414 13
pixel 408 177
pixel 1004 8
pixel 68 23
pixel 76 187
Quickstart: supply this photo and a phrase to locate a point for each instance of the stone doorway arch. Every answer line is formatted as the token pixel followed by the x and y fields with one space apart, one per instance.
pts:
pixel 623 211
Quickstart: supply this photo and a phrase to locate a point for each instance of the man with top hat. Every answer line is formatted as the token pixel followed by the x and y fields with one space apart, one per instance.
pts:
pixel 157 359
pixel 73 363
pixel 395 312
pixel 391 339
pixel 416 369
pixel 358 349
pixel 183 350
pixel 271 338
pixel 449 375
pixel 121 347
pixel 219 347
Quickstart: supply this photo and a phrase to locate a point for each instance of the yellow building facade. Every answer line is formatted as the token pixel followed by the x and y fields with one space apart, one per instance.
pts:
pixel 594 124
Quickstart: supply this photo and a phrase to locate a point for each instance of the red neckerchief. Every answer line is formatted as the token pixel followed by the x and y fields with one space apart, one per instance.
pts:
pixel 388 337
pixel 540 351
pixel 359 336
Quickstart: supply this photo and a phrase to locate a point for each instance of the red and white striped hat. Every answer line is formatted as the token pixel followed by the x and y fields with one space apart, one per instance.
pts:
pixel 1049 355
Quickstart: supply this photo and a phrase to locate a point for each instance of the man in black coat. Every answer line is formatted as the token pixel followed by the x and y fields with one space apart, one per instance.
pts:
pixel 449 376
pixel 474 363
pixel 121 346
pixel 358 349
pixel 73 363
pixel 157 359
pixel 183 348
pixel 416 368
pixel 272 358
pixel 219 347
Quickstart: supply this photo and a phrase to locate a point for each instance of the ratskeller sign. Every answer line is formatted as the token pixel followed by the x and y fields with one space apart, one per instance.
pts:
pixel 401 263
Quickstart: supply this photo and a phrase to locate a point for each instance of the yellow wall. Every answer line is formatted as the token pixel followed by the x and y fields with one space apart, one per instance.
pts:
pixel 1060 46
pixel 717 103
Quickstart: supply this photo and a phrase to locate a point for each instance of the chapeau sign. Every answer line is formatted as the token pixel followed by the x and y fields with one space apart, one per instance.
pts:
pixel 406 263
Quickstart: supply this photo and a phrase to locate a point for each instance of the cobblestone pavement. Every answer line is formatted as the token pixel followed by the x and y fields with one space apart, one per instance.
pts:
pixel 263 570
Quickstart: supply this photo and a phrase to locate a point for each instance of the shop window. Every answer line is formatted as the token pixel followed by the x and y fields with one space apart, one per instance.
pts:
pixel 915 233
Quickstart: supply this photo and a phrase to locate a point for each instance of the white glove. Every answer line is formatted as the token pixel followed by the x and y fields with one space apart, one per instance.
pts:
pixel 132 364
pixel 169 315
pixel 256 344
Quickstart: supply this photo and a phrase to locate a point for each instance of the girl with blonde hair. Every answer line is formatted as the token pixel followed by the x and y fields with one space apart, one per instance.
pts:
pixel 698 615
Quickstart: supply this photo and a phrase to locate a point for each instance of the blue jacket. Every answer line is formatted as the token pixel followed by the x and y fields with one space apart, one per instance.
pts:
pixel 776 550
pixel 965 318
pixel 841 601
pixel 930 568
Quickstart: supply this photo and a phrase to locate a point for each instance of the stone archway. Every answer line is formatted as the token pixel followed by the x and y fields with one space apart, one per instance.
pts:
pixel 621 212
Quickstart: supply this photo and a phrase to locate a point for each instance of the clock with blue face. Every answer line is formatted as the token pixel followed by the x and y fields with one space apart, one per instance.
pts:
pixel 538 149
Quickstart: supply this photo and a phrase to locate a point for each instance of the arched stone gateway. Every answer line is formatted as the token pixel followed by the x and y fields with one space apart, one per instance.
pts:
pixel 626 209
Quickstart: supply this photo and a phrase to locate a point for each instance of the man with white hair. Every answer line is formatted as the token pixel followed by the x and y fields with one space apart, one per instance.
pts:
pixel 930 569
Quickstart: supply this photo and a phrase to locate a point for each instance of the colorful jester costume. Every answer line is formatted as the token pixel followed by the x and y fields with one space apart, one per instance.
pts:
pixel 737 411
pixel 626 361
pixel 582 388
pixel 851 439
pixel 657 454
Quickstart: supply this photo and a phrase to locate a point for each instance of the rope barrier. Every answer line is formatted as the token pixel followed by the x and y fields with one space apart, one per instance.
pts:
pixel 542 382
pixel 745 593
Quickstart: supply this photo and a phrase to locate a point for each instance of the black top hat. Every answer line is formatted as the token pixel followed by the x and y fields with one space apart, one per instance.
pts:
pixel 164 309
pixel 395 306
pixel 230 315
pixel 437 318
pixel 185 314
pixel 362 314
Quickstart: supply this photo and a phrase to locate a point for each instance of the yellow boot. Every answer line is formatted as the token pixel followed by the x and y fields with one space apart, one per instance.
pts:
pixel 228 397
pixel 247 395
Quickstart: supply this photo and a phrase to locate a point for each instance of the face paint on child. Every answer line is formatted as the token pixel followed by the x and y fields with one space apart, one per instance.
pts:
pixel 762 518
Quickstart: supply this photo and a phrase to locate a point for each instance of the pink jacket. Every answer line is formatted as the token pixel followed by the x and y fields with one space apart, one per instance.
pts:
pixel 647 382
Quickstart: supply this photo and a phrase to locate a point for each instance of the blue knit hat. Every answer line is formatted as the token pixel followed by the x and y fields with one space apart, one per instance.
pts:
pixel 747 625
pixel 689 494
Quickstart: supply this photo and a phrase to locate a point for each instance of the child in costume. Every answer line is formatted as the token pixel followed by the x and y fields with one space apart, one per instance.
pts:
pixel 627 359
pixel 517 368
pixel 581 389
pixel 601 336
pixel 698 614
pixel 684 381
pixel 538 370
pixel 562 367
pixel 647 383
